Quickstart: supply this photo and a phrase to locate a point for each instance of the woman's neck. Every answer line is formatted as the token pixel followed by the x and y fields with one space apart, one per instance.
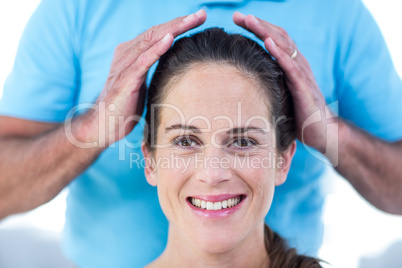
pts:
pixel 250 252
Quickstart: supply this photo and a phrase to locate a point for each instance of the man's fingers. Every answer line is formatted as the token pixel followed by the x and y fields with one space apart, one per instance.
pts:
pixel 285 46
pixel 140 67
pixel 176 27
pixel 293 71
pixel 127 53
pixel 184 24
pixel 263 29
pixel 240 20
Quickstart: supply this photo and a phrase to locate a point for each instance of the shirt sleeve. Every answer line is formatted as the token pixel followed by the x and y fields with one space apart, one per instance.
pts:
pixel 369 88
pixel 43 83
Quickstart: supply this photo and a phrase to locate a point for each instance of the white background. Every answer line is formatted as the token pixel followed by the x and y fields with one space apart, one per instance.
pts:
pixel 357 235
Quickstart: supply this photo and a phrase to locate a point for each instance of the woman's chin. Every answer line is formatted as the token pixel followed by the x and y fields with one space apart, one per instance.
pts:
pixel 216 247
pixel 215 242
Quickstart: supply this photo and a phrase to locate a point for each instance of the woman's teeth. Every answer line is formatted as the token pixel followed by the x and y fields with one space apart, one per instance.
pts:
pixel 231 202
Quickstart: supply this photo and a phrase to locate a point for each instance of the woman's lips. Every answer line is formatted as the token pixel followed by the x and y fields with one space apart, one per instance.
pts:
pixel 216 206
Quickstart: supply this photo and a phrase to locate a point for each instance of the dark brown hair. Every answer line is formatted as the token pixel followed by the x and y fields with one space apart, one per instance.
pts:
pixel 282 256
pixel 214 45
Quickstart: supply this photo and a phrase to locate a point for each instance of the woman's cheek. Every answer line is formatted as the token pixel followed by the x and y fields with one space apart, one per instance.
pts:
pixel 173 174
pixel 168 197
pixel 260 176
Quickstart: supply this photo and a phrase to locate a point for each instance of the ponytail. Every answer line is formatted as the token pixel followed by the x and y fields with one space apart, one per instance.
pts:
pixel 281 256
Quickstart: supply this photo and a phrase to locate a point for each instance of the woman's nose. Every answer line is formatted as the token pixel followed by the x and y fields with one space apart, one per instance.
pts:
pixel 214 167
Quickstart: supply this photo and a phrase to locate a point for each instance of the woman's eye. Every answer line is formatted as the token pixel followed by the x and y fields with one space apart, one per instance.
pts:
pixel 184 142
pixel 244 143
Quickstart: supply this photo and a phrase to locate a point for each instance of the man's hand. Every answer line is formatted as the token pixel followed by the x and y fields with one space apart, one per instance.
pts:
pixel 123 96
pixel 46 159
pixel 307 97
pixel 378 179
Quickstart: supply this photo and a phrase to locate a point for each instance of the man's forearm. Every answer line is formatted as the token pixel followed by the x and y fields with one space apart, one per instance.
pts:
pixel 372 166
pixel 34 170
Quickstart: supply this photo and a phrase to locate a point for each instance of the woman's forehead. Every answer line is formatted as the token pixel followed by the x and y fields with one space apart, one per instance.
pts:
pixel 213 90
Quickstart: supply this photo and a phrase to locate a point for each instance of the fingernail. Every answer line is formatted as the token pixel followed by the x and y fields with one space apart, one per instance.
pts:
pixel 199 12
pixel 241 15
pixel 254 19
pixel 271 41
pixel 188 18
pixel 166 38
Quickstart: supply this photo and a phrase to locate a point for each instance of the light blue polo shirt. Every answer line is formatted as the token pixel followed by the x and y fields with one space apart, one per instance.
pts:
pixel 113 216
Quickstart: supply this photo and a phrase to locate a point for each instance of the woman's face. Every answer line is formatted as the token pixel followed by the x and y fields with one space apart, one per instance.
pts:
pixel 216 149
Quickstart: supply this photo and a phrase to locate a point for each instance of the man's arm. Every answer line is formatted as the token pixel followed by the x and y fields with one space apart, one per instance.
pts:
pixel 371 165
pixel 38 160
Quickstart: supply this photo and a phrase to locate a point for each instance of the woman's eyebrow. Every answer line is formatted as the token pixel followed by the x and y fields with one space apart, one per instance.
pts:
pixel 237 130
pixel 185 127
pixel 241 130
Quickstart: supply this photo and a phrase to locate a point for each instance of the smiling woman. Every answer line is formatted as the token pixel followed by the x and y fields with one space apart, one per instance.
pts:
pixel 220 117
